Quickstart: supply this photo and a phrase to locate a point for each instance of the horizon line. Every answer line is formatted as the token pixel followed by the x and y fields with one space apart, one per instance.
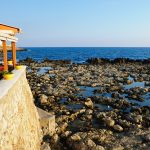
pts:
pixel 87 46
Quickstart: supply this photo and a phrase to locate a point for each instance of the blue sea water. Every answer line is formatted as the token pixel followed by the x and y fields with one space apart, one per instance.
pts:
pixel 80 54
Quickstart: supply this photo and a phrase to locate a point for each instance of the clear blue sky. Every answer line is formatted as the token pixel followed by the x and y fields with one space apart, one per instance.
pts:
pixel 79 22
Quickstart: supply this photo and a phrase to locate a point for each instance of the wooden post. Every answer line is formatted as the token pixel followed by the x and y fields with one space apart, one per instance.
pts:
pixel 5 55
pixel 13 44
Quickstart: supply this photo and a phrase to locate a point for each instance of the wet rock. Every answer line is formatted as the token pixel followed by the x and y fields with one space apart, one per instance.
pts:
pixel 146 137
pixel 118 147
pixel 89 103
pixel 75 137
pixel 82 111
pixel 46 77
pixel 63 126
pixel 93 84
pixel 115 95
pixel 61 118
pixel 118 128
pixel 129 81
pixel 98 147
pixel 66 134
pixel 115 88
pixel 124 123
pixel 138 118
pixel 109 122
pixel 90 143
pixel 147 83
pixel 89 112
pixel 43 99
pixel 79 146
pixel 145 90
pixel 89 117
pixel 70 78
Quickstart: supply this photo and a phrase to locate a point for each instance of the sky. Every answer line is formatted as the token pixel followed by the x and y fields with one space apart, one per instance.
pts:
pixel 79 23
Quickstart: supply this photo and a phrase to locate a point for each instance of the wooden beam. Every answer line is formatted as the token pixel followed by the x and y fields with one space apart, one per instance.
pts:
pixel 6 27
pixel 5 55
pixel 8 36
pixel 13 44
pixel 10 32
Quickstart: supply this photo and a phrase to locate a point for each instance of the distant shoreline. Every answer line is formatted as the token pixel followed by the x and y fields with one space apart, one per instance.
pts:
pixel 18 49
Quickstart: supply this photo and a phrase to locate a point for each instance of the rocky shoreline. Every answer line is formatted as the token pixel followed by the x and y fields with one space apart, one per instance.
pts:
pixel 102 104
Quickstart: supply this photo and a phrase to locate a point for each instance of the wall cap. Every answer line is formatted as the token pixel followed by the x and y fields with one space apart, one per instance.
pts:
pixel 5 85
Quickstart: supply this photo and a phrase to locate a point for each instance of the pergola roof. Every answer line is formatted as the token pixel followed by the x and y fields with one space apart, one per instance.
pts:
pixel 11 28
pixel 8 32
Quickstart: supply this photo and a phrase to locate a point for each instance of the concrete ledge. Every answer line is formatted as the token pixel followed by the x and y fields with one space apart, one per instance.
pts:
pixel 47 122
pixel 5 85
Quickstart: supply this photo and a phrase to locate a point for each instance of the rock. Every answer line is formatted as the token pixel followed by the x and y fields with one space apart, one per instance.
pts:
pixel 146 89
pixel 90 143
pixel 43 99
pixel 118 147
pixel 89 103
pixel 129 81
pixel 109 122
pixel 134 96
pixel 79 146
pixel 147 83
pixel 45 146
pixel 75 137
pixel 101 115
pixel 118 128
pixel 89 112
pixel 63 126
pixel 115 88
pixel 138 119
pixel 81 111
pixel 54 139
pixel 61 118
pixel 46 77
pixel 98 147
pixel 115 95
pixel 66 134
pixel 146 137
pixel 89 117
pixel 93 84
pixel 70 78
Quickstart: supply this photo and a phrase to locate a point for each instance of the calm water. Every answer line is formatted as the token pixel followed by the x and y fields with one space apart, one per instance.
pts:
pixel 81 54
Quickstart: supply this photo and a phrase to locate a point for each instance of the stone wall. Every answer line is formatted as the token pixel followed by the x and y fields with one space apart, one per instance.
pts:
pixel 19 120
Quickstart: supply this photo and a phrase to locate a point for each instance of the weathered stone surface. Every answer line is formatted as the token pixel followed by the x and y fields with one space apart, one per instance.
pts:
pixel 146 137
pixel 109 122
pixel 98 147
pixel 89 103
pixel 43 99
pixel 19 127
pixel 45 146
pixel 118 128
pixel 47 122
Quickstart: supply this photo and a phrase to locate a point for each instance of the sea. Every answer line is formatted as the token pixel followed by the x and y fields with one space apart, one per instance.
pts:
pixel 81 54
